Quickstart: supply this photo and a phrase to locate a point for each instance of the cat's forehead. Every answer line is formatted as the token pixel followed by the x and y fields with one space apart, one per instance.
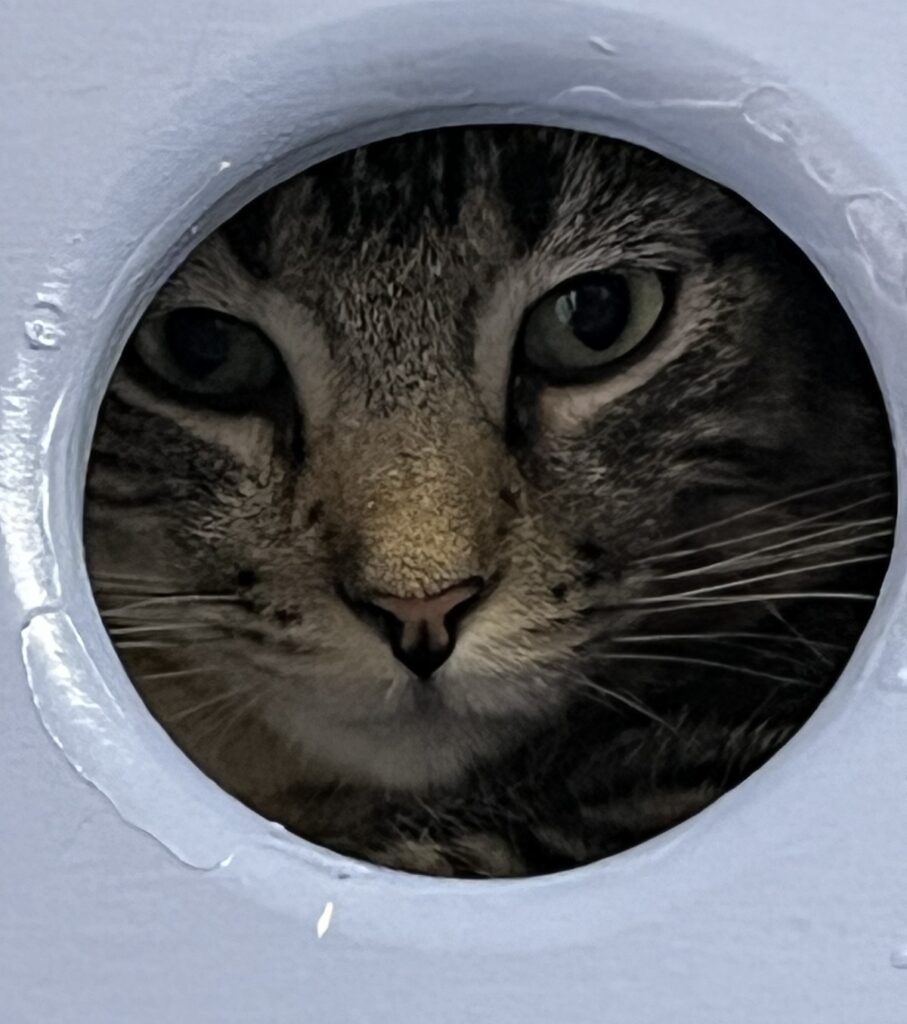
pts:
pixel 476 195
pixel 428 248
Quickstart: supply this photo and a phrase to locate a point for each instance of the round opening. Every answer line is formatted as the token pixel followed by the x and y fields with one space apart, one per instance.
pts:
pixel 487 500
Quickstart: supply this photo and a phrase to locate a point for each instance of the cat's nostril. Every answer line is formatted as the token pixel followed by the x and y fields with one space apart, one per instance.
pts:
pixel 246 578
pixel 422 630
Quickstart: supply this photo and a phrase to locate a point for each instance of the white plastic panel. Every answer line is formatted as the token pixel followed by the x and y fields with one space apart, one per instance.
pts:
pixel 133 889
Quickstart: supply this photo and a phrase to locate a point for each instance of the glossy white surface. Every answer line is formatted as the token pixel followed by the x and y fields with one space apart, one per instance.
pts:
pixel 132 888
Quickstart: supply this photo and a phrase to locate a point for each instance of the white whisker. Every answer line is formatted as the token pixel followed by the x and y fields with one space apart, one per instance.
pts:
pixel 604 693
pixel 731 584
pixel 765 652
pixel 161 627
pixel 203 705
pixel 148 602
pixel 132 577
pixel 796 524
pixel 659 637
pixel 707 663
pixel 773 610
pixel 177 673
pixel 774 504
pixel 694 604
pixel 226 724
pixel 751 557
pixel 153 644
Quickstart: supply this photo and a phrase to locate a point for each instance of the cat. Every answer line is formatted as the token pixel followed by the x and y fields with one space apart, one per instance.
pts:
pixel 487 500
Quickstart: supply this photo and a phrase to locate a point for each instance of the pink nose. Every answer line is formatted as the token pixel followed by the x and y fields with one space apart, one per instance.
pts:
pixel 423 638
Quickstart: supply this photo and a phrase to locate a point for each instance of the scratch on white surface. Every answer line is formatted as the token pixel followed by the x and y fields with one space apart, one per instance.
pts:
pixel 602 44
pixel 324 922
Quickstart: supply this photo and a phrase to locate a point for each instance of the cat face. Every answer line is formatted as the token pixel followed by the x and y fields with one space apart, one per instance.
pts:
pixel 428 444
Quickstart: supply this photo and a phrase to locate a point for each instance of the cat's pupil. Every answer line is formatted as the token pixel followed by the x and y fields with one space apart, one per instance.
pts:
pixel 199 340
pixel 596 308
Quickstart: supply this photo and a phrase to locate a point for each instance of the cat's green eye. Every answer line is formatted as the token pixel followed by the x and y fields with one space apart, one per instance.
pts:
pixel 592 320
pixel 207 353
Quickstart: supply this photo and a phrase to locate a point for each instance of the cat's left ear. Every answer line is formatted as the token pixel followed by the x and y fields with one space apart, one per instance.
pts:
pixel 248 234
pixel 730 227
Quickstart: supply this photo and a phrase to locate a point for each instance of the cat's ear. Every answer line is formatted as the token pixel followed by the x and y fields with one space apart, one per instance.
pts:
pixel 249 236
pixel 729 227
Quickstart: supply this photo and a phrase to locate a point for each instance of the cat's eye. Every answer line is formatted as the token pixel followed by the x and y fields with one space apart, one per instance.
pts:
pixel 591 321
pixel 207 353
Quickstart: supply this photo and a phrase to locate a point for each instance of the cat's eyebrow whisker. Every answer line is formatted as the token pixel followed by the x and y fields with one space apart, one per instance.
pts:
pixel 789 527
pixel 708 663
pixel 751 558
pixel 837 484
pixel 731 584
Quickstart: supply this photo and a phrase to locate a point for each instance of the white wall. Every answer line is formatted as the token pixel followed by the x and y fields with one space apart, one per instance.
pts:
pixel 132 889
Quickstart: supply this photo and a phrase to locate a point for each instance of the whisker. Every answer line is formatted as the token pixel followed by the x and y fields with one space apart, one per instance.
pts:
pixel 694 604
pixel 750 557
pixel 773 610
pixel 815 549
pixel 148 602
pixel 226 725
pixel 837 484
pixel 796 524
pixel 131 577
pixel 604 694
pixel 177 673
pixel 131 644
pixel 764 652
pixel 160 627
pixel 708 663
pixel 130 590
pixel 659 637
pixel 203 705
pixel 731 584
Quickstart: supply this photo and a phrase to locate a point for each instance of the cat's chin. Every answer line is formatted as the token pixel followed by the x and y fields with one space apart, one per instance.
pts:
pixel 408 753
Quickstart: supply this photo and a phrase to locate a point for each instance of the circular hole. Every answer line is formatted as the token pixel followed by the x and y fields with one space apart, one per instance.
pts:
pixel 488 500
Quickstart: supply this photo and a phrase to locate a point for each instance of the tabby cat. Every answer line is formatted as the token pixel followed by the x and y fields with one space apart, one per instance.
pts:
pixel 484 501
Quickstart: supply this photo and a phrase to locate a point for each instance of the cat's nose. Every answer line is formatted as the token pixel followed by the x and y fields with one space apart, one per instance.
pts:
pixel 423 629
